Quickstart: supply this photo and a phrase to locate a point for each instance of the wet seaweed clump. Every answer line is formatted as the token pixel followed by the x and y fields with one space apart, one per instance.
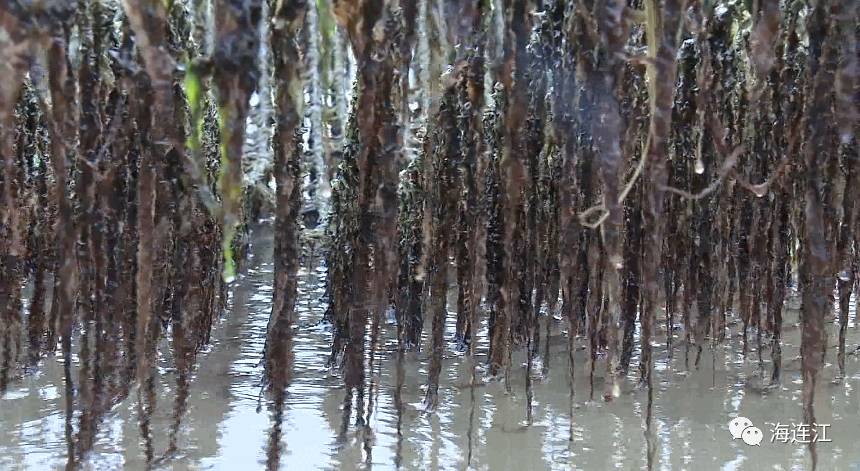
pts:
pixel 632 173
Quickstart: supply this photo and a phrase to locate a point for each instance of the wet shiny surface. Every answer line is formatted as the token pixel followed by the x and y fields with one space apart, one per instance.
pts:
pixel 228 423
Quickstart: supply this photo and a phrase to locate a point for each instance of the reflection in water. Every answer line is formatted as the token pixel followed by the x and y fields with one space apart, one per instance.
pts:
pixel 319 424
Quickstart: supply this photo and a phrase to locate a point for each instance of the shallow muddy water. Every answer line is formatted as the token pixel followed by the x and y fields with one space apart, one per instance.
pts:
pixel 228 424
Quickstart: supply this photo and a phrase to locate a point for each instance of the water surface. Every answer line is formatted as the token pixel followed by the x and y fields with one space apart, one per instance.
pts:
pixel 228 423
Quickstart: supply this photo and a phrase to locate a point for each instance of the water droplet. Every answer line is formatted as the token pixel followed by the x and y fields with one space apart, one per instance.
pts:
pixel 700 167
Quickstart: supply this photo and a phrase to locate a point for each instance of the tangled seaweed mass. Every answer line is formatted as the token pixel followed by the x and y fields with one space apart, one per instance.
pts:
pixel 641 170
